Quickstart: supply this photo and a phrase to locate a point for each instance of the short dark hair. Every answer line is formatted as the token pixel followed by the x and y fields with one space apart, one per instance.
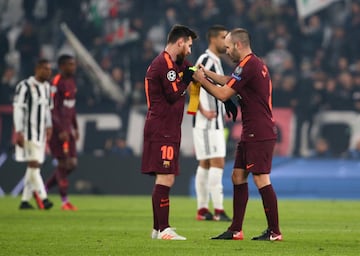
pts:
pixel 214 31
pixel 240 35
pixel 63 59
pixel 180 31
pixel 41 62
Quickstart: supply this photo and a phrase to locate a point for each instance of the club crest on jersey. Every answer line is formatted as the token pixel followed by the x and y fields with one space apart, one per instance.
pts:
pixel 166 164
pixel 237 72
pixel 171 75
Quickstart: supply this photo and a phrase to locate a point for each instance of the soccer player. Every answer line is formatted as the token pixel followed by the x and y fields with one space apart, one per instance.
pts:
pixel 251 81
pixel 166 81
pixel 209 137
pixel 65 128
pixel 32 122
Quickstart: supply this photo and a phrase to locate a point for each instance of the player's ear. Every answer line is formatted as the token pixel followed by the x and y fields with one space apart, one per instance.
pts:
pixel 180 42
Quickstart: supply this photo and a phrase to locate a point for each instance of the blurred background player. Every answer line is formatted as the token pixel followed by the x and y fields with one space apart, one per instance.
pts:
pixel 165 93
pixel 32 122
pixel 209 137
pixel 65 128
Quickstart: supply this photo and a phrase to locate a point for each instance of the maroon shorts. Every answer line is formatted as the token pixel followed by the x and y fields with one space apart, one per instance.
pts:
pixel 255 157
pixel 60 150
pixel 160 158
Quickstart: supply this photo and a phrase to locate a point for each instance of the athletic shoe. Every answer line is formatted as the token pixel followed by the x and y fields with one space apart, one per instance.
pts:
pixel 68 207
pixel 268 235
pixel 230 235
pixel 38 200
pixel 26 206
pixel 205 216
pixel 154 234
pixel 47 204
pixel 221 217
pixel 169 234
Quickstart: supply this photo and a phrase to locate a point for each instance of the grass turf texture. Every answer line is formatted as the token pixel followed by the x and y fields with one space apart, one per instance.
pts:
pixel 121 225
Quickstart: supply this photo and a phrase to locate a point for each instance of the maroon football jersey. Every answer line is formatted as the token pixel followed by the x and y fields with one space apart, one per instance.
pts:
pixel 63 112
pixel 165 95
pixel 251 80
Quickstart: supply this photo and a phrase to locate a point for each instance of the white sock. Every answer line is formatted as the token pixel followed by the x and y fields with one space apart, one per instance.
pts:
pixel 201 187
pixel 27 190
pixel 38 183
pixel 216 187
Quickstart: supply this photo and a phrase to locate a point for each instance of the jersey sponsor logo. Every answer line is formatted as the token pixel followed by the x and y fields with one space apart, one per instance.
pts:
pixel 171 75
pixel 237 72
pixel 69 103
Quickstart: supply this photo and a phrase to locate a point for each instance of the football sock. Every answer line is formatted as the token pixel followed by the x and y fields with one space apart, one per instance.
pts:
pixel 27 190
pixel 62 181
pixel 155 217
pixel 161 204
pixel 216 187
pixel 51 182
pixel 38 183
pixel 64 199
pixel 270 207
pixel 202 187
pixel 241 196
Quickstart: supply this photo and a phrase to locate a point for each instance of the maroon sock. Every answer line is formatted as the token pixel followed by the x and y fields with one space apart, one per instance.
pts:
pixel 62 181
pixel 51 181
pixel 155 217
pixel 240 199
pixel 161 206
pixel 270 207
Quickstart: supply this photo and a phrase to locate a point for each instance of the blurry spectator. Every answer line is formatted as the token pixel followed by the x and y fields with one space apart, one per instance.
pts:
pixel 355 152
pixel 356 92
pixel 29 49
pixel 352 25
pixel 276 57
pixel 321 149
pixel 287 96
pixel 336 48
pixel 7 87
pixel 312 32
pixel 4 49
pixel 331 99
pixel 345 91
pixel 118 147
pixel 238 15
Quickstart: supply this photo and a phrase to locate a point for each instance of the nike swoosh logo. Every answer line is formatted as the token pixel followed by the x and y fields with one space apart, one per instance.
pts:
pixel 248 166
pixel 274 238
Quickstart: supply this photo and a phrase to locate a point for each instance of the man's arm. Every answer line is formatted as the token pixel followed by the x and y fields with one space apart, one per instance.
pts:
pixel 20 105
pixel 217 78
pixel 222 93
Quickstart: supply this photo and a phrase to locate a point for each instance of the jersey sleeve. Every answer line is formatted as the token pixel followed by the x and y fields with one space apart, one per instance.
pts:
pixel 241 75
pixel 171 81
pixel 20 104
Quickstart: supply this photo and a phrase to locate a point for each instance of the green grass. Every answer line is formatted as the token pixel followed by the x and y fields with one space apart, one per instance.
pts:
pixel 121 225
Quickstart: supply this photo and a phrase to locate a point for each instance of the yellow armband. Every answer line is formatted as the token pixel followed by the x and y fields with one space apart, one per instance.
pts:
pixel 194 98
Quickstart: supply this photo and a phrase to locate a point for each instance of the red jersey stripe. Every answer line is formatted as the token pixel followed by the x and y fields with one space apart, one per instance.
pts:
pixel 147 92
pixel 56 79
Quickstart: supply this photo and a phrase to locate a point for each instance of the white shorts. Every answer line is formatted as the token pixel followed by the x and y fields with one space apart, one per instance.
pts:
pixel 209 143
pixel 30 152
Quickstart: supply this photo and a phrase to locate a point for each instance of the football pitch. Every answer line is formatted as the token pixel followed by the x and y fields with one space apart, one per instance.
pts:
pixel 121 225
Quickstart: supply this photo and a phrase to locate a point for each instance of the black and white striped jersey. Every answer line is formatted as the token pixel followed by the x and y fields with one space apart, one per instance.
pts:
pixel 207 101
pixel 32 102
